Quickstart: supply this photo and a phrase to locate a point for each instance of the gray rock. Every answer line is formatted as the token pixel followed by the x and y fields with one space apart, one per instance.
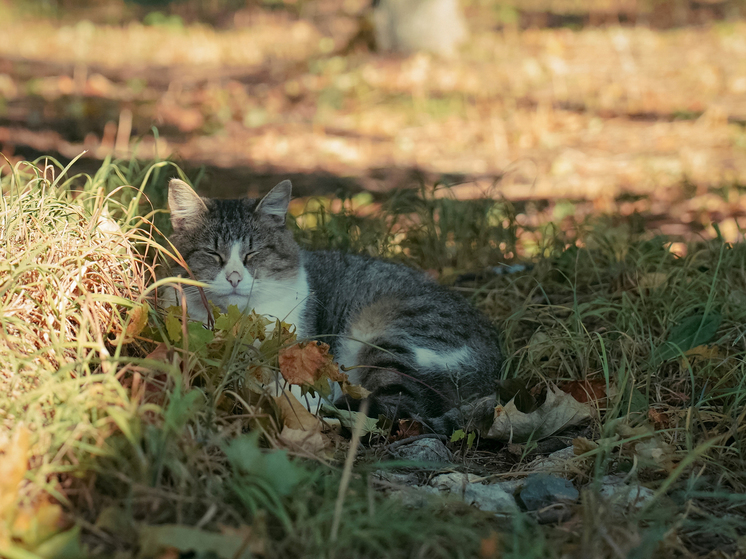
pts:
pixel 491 498
pixel 453 482
pixel 424 450
pixel 557 462
pixel 542 490
pixel 623 496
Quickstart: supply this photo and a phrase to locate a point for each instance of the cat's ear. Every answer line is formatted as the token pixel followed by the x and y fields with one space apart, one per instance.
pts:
pixel 275 203
pixel 186 206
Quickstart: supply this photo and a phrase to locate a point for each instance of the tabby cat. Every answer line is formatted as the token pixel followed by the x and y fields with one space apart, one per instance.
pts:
pixel 421 349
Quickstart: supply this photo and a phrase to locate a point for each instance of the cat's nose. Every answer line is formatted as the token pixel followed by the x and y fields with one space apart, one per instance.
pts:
pixel 234 278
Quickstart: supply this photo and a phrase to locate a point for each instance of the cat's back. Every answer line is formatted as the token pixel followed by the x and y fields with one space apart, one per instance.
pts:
pixel 344 284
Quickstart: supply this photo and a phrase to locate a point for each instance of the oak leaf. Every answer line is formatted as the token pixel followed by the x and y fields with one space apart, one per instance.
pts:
pixel 558 412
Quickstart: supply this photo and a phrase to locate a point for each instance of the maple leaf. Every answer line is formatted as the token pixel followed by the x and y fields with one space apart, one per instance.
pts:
pixel 309 364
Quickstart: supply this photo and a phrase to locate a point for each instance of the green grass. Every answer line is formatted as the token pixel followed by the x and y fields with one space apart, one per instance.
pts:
pixel 145 450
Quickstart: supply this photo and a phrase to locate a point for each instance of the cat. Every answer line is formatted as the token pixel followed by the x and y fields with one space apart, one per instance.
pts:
pixel 421 349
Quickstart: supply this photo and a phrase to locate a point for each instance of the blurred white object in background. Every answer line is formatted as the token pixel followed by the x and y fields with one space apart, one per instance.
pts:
pixel 407 26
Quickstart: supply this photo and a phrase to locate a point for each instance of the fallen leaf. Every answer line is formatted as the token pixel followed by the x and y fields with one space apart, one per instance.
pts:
pixel 558 412
pixel 354 390
pixel 313 443
pixel 647 446
pixel 660 420
pixel 705 352
pixel 348 419
pixel 173 323
pixel 294 413
pixel 138 319
pixel 309 364
pixel 587 390
pixel 408 428
pixel 582 445
pixel 653 452
pixel 516 390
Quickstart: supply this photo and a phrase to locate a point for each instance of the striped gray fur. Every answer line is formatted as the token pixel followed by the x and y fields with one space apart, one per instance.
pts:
pixel 421 349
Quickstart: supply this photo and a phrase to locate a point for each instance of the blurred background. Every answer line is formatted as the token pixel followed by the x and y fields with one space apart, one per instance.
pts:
pixel 620 106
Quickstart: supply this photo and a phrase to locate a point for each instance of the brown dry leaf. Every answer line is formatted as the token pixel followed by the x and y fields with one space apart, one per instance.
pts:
pixel 354 390
pixel 407 428
pixel 161 353
pixel 294 413
pixel 587 390
pixel 660 420
pixel 558 412
pixel 705 352
pixel 647 446
pixel 305 442
pixel 656 452
pixel 581 445
pixel 309 364
pixel 306 363
pixel 138 319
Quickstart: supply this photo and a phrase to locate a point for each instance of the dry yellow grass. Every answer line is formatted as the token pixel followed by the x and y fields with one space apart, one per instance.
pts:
pixel 68 273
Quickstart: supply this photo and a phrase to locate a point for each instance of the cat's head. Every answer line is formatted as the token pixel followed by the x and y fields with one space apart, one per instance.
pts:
pixel 233 244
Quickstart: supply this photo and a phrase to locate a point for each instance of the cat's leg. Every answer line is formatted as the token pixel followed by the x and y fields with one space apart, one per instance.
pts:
pixel 398 387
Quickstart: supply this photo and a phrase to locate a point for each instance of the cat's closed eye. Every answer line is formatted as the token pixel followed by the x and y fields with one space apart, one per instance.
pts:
pixel 215 256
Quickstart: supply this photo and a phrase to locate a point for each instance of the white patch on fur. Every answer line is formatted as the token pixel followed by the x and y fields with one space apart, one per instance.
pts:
pixel 349 348
pixel 449 361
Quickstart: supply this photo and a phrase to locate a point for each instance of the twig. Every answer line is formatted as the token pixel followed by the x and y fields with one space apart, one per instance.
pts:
pixel 347 472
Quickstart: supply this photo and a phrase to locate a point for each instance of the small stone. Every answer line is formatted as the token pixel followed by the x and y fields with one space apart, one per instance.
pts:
pixel 558 461
pixel 425 450
pixel 453 482
pixel 543 490
pixel 625 496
